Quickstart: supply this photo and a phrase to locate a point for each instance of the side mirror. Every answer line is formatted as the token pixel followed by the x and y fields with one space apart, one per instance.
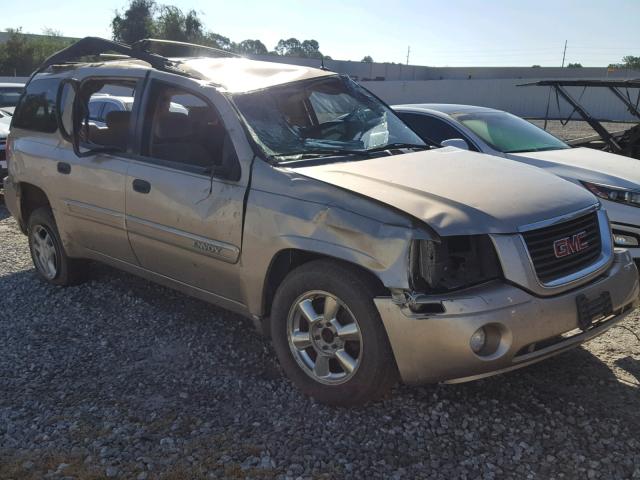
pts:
pixel 456 142
pixel 65 103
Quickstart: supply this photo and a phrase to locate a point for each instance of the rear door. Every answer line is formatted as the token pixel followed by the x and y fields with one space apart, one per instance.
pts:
pixel 91 189
pixel 185 190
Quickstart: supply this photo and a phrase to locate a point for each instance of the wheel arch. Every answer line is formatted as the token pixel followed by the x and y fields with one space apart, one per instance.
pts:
pixel 286 260
pixel 31 198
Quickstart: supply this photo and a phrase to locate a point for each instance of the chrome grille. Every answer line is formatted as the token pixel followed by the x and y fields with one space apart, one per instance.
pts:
pixel 541 244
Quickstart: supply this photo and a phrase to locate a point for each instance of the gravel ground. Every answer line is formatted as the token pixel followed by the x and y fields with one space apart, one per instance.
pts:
pixel 120 378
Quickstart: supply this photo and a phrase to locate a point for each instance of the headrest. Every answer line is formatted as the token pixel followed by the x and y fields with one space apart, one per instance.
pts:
pixel 118 119
pixel 173 125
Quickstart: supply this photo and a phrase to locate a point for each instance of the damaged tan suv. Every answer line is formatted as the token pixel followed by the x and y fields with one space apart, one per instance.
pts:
pixel 295 197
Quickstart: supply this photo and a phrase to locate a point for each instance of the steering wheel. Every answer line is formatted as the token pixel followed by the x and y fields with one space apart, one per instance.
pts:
pixel 333 130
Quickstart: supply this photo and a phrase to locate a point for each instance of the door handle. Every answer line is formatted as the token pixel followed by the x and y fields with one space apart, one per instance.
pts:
pixel 64 168
pixel 141 186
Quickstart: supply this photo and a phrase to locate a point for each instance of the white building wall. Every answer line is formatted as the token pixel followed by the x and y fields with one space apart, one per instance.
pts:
pixel 503 94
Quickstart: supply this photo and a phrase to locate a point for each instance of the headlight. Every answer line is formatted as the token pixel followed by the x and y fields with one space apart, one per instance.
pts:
pixel 454 263
pixel 618 195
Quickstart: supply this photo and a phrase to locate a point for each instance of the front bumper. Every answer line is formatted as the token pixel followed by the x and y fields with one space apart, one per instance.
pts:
pixel 435 347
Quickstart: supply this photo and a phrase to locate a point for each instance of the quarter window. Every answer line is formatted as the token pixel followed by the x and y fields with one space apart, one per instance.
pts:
pixel 183 129
pixel 36 109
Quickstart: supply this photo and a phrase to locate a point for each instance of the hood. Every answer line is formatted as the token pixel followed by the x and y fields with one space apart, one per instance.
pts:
pixel 458 192
pixel 586 164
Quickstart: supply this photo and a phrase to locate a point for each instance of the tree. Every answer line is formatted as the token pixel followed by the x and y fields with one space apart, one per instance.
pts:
pixel 292 47
pixel 289 48
pixel 21 54
pixel 252 47
pixel 219 41
pixel 367 59
pixel 631 62
pixel 311 49
pixel 574 65
pixel 172 24
pixel 135 23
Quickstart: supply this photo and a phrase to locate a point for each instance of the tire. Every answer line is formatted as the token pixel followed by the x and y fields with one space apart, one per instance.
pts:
pixel 332 361
pixel 47 252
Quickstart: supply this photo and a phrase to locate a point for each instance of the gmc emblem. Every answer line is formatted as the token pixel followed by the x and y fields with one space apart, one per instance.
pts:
pixel 570 245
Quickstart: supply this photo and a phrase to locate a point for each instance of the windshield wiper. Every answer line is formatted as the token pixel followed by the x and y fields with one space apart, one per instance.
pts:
pixel 323 152
pixel 398 145
pixel 319 152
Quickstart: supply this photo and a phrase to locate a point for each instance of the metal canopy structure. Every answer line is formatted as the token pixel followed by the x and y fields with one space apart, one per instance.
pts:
pixel 625 143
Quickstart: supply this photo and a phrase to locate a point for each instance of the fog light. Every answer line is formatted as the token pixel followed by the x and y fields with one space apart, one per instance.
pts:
pixel 478 340
pixel 624 240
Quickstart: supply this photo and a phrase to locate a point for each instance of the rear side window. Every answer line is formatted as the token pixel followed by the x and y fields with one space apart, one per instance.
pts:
pixel 36 109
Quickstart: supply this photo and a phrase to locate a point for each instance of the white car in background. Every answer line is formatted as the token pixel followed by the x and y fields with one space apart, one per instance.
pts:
pixel 5 121
pixel 615 179
pixel 9 95
pixel 101 104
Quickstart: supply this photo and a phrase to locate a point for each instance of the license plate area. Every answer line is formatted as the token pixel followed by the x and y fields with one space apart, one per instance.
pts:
pixel 592 310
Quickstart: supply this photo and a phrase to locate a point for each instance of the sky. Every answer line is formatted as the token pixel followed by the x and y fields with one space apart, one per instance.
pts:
pixel 438 32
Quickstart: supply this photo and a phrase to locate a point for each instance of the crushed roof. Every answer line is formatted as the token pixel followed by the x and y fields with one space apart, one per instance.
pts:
pixel 237 75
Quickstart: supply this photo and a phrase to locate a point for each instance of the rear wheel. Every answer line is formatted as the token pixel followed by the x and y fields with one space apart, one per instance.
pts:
pixel 328 335
pixel 48 255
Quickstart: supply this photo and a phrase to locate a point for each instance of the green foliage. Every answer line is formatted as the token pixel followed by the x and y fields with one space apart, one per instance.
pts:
pixel 252 47
pixel 219 41
pixel 135 23
pixel 172 24
pixel 292 47
pixel 574 65
pixel 367 59
pixel 146 19
pixel 21 54
pixel 631 62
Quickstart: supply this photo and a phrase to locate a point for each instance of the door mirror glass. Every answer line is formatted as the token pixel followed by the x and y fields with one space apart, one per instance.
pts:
pixel 456 142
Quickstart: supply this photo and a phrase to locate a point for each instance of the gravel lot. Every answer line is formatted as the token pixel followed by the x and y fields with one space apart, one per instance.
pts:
pixel 121 378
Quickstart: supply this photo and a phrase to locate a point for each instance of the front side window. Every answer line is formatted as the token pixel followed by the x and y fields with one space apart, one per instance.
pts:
pixel 183 129
pixel 330 114
pixel 509 134
pixel 37 108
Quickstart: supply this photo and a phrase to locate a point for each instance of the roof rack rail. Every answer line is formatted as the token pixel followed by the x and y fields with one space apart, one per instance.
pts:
pixel 145 43
pixel 97 46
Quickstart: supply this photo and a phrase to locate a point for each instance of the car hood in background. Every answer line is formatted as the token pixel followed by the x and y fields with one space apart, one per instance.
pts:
pixel 458 192
pixel 586 164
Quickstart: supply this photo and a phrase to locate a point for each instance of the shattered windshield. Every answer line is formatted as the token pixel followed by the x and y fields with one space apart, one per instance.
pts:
pixel 509 134
pixel 327 116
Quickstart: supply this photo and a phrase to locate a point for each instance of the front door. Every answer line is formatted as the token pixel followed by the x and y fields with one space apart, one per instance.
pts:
pixel 185 190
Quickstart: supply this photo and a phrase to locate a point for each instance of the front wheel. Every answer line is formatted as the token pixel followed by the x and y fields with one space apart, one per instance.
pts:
pixel 328 335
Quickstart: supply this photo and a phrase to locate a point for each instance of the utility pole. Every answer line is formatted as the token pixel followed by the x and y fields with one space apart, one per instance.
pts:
pixel 408 52
pixel 564 54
